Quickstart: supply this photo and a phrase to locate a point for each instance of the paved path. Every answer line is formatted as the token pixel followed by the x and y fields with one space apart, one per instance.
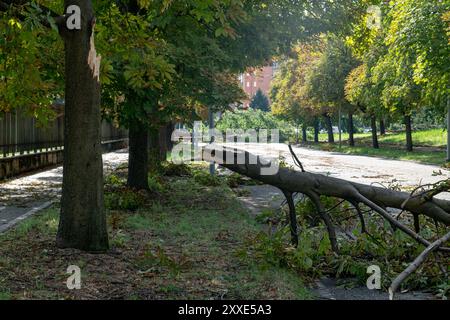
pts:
pixel 362 169
pixel 20 198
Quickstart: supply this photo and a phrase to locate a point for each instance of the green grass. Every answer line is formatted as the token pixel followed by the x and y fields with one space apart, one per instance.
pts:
pixel 431 138
pixel 431 146
pixel 182 244
pixel 427 157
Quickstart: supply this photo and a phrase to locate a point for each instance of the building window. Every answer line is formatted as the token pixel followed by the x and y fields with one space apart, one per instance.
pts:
pixel 248 84
pixel 255 84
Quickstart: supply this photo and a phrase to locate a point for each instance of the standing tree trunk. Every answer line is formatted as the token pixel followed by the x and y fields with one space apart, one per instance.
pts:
pixel 170 129
pixel 165 140
pixel 382 127
pixel 82 220
pixel 448 129
pixel 154 150
pixel 138 156
pixel 329 125
pixel 316 130
pixel 373 124
pixel 304 134
pixel 351 139
pixel 408 126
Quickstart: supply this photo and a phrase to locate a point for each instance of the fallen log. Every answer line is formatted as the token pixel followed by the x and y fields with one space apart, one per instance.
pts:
pixel 312 185
pixel 305 182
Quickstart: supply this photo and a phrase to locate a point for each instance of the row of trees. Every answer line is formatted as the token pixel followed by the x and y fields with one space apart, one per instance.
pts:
pixel 143 65
pixel 392 62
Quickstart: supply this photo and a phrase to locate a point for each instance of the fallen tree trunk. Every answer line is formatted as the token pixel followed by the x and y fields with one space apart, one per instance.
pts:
pixel 316 185
pixel 306 183
pixel 312 185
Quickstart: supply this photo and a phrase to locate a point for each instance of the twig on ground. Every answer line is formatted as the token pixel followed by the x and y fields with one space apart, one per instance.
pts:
pixel 416 264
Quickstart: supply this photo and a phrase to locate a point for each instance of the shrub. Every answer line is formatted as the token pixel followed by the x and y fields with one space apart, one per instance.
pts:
pixel 207 180
pixel 256 119
pixel 171 169
pixel 125 199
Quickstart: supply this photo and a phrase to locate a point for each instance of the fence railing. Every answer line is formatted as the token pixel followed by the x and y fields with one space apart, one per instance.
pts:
pixel 20 135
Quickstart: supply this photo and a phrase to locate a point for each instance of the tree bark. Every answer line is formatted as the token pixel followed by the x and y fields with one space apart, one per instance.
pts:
pixel 154 150
pixel 448 129
pixel 304 134
pixel 165 139
pixel 316 130
pixel 329 125
pixel 351 139
pixel 408 127
pixel 82 221
pixel 373 124
pixel 170 129
pixel 382 127
pixel 138 157
pixel 163 142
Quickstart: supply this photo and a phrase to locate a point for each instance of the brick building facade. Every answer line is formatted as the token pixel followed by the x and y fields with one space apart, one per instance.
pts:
pixel 255 79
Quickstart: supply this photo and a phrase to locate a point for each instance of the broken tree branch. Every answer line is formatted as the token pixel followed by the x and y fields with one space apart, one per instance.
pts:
pixel 292 217
pixel 416 264
pixel 296 160
pixel 315 198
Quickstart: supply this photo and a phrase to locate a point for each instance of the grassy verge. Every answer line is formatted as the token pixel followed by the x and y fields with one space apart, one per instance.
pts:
pixel 432 138
pixel 427 157
pixel 429 146
pixel 181 241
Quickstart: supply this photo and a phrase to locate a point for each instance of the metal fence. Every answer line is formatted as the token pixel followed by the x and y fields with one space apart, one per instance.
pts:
pixel 20 134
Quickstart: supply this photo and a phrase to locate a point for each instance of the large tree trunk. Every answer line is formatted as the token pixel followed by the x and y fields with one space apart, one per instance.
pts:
pixel 170 128
pixel 138 156
pixel 82 221
pixel 408 127
pixel 382 127
pixel 373 124
pixel 448 129
pixel 165 140
pixel 351 139
pixel 304 133
pixel 329 125
pixel 154 151
pixel 316 130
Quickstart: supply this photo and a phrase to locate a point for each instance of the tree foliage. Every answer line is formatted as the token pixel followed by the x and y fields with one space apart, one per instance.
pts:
pixel 260 101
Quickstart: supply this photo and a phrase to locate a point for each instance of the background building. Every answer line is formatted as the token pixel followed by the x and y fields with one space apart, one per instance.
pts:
pixel 257 79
